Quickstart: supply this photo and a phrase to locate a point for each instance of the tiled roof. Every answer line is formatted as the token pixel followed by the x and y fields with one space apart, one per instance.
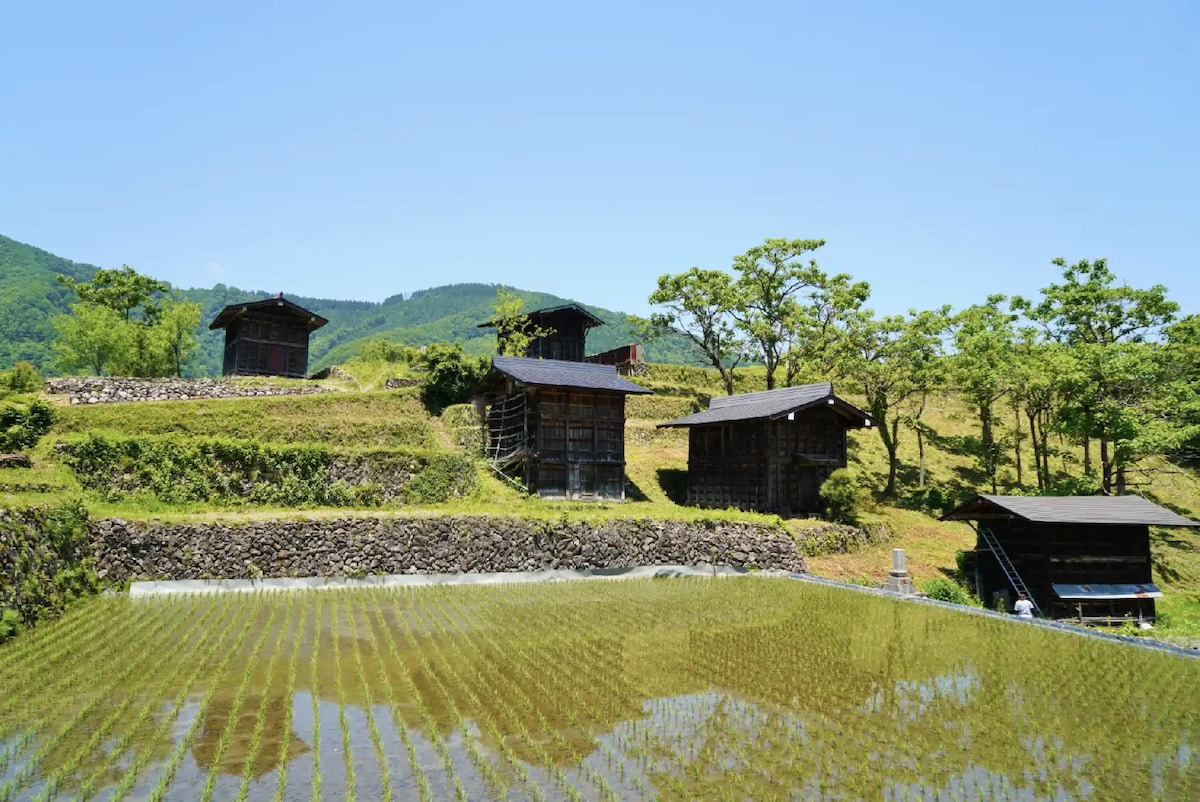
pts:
pixel 767 404
pixel 1129 510
pixel 275 304
pixel 589 320
pixel 557 373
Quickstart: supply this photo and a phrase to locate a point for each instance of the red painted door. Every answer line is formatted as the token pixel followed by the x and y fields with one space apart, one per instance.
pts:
pixel 276 360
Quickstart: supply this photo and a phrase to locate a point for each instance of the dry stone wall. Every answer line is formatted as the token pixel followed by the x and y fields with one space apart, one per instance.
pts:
pixel 407 545
pixel 108 390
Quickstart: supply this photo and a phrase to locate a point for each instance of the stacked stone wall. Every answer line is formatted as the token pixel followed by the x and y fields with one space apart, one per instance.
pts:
pixel 108 390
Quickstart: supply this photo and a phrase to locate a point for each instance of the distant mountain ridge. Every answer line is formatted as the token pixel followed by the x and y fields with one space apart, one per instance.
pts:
pixel 30 298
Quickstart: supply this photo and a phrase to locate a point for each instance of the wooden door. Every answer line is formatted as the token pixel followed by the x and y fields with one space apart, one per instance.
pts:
pixel 277 360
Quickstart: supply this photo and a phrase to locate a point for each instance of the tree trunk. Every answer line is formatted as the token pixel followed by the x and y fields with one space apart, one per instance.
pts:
pixel 1017 446
pixel 1105 466
pixel 988 443
pixel 1122 482
pixel 726 378
pixel 1087 456
pixel 890 444
pixel 1038 447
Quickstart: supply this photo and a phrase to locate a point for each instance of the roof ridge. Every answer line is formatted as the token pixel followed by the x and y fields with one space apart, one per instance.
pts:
pixel 759 395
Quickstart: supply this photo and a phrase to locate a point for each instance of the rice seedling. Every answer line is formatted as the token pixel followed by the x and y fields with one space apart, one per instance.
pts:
pixel 217 657
pixel 385 779
pixel 347 752
pixel 170 673
pixel 379 632
pixel 261 713
pixel 169 771
pixel 314 670
pixel 136 644
pixel 289 694
pixel 236 706
pixel 748 688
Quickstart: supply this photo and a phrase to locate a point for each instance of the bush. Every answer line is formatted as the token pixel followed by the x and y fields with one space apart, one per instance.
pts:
pixel 45 566
pixel 22 425
pixel 444 477
pixel 931 500
pixel 23 378
pixel 844 498
pixel 451 376
pixel 946 590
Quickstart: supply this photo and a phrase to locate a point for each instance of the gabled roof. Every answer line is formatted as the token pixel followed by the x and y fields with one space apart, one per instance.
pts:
pixel 773 404
pixel 589 320
pixel 278 304
pixel 1098 510
pixel 558 373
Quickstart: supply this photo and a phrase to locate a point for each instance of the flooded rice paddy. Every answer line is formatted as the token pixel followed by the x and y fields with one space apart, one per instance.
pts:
pixel 643 689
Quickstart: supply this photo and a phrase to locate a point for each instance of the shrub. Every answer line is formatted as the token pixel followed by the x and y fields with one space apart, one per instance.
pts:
pixel 22 425
pixel 844 497
pixel 451 376
pixel 23 378
pixel 45 566
pixel 946 590
pixel 931 500
pixel 445 476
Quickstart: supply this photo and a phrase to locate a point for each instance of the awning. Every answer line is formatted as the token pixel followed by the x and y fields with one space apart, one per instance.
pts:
pixel 1098 592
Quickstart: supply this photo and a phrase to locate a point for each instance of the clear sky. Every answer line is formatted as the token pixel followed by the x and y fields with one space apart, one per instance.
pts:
pixel 360 149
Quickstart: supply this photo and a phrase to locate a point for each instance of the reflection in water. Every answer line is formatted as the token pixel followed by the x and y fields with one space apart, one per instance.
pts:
pixel 689 689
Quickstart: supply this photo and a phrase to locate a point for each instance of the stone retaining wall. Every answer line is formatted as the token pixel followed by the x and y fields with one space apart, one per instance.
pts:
pixel 443 544
pixel 107 390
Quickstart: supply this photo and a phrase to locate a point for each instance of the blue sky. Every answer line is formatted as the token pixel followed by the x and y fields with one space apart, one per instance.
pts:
pixel 356 150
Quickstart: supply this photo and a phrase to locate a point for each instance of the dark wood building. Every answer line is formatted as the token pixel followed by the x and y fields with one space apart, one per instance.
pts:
pixel 770 450
pixel 557 427
pixel 1081 557
pixel 267 338
pixel 567 338
pixel 629 360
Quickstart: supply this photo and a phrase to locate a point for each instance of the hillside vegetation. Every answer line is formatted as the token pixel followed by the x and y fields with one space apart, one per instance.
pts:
pixel 30 298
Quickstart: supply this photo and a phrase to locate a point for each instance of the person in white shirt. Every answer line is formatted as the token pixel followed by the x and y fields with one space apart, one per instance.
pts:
pixel 1024 606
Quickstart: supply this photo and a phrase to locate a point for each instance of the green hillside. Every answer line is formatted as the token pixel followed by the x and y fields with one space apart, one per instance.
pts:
pixel 30 298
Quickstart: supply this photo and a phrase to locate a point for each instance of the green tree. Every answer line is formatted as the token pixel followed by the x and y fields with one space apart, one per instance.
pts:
pixel 980 369
pixel 699 304
pixel 770 276
pixel 124 291
pixel 818 324
pixel 92 338
pixel 1039 372
pixel 895 362
pixel 451 376
pixel 514 330
pixel 1097 319
pixel 175 332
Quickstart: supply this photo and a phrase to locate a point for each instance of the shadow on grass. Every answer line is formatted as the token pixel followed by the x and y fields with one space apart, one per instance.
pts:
pixel 633 492
pixel 673 482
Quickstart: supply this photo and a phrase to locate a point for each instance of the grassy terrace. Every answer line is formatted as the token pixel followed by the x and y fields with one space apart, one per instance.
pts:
pixel 681 689
pixel 359 418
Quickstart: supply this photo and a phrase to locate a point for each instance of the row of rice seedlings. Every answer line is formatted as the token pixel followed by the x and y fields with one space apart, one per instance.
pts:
pixel 477 757
pixel 159 792
pixel 306 601
pixel 481 629
pixel 235 707
pixel 314 673
pixel 423 790
pixel 347 752
pixel 50 639
pixel 31 686
pixel 261 714
pixel 134 644
pixel 165 677
pixel 489 720
pixel 483 714
pixel 385 777
pixel 221 654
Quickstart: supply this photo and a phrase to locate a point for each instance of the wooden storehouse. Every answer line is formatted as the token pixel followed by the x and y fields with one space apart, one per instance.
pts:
pixel 557 427
pixel 567 328
pixel 770 450
pixel 1081 557
pixel 629 360
pixel 267 338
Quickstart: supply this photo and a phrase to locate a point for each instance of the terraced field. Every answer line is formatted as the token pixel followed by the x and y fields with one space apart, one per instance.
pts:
pixel 681 689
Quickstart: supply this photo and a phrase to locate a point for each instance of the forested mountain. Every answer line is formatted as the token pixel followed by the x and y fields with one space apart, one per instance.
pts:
pixel 30 298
